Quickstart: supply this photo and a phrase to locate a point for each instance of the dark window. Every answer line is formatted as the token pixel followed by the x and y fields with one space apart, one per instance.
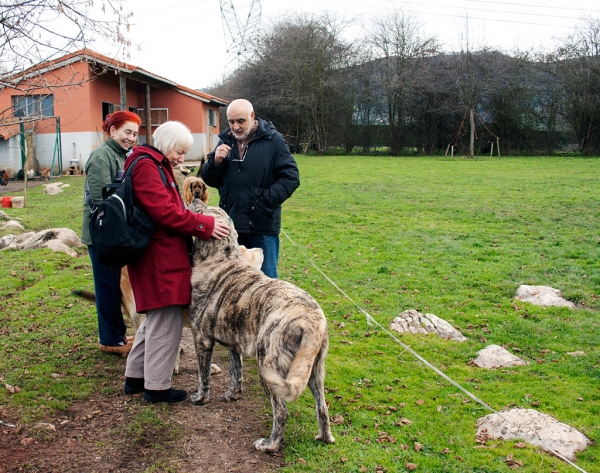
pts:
pixel 108 108
pixel 212 117
pixel 33 106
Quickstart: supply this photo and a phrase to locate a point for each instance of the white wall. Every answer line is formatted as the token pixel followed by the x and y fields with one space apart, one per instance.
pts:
pixel 10 156
pixel 78 146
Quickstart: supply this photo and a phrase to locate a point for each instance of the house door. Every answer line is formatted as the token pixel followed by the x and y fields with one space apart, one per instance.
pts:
pixel 209 131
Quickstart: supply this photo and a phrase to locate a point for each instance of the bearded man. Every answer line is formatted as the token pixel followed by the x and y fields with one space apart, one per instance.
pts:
pixel 255 172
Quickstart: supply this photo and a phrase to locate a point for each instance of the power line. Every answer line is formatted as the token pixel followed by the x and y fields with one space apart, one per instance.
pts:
pixel 534 6
pixel 429 12
pixel 488 10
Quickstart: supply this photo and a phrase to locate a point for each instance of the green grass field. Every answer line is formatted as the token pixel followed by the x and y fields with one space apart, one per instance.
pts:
pixel 452 237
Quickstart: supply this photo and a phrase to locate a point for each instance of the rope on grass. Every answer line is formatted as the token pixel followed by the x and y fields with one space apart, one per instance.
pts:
pixel 372 322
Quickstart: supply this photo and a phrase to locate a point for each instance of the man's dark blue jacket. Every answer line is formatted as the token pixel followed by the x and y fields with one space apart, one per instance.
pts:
pixel 252 190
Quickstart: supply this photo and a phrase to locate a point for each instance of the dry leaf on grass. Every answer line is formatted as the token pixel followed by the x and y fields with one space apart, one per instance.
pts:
pixel 418 446
pixel 337 419
pixel 411 466
pixel 512 463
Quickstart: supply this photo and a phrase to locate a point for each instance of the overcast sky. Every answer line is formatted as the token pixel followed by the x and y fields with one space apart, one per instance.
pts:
pixel 183 40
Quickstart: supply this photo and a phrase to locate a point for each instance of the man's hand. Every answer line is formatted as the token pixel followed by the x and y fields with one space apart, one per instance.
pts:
pixel 221 229
pixel 221 153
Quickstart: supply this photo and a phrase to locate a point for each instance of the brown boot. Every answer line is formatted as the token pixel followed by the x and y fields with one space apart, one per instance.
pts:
pixel 117 349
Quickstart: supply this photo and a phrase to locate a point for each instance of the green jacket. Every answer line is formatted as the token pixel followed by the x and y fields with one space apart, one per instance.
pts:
pixel 100 170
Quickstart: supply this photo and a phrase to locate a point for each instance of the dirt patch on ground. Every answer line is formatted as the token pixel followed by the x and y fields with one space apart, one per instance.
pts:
pixel 103 434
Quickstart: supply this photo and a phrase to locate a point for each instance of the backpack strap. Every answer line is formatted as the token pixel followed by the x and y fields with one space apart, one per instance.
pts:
pixel 163 177
pixel 88 194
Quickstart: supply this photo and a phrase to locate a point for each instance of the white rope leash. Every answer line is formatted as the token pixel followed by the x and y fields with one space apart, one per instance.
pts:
pixel 371 321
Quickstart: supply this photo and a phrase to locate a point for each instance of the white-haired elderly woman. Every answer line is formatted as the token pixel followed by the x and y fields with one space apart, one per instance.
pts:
pixel 160 278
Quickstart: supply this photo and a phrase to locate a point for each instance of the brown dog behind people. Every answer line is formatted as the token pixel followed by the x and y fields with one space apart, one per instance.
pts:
pixel 236 305
pixel 194 188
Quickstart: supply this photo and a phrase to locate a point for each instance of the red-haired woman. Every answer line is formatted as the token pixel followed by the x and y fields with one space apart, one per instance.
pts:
pixel 122 128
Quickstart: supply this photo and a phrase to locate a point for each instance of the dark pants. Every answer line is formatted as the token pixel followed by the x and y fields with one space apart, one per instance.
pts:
pixel 270 247
pixel 107 284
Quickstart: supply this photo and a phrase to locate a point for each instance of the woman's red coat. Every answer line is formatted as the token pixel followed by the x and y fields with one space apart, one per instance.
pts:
pixel 161 276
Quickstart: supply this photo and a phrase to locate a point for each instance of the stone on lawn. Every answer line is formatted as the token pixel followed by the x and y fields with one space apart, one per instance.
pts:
pixel 12 224
pixel 56 239
pixel 57 245
pixel 542 295
pixel 412 321
pixel 535 428
pixel 495 356
pixel 52 189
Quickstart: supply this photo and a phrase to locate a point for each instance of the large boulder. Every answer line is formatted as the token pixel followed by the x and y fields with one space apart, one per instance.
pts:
pixel 56 239
pixel 542 295
pixel 412 321
pixel 495 356
pixel 534 428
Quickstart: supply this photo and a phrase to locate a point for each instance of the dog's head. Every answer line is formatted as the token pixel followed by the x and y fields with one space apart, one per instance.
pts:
pixel 228 248
pixel 194 188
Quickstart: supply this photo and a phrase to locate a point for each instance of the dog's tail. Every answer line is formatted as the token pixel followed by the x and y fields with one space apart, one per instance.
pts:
pixel 292 387
pixel 90 296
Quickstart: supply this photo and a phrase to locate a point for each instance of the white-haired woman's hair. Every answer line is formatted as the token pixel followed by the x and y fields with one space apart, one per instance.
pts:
pixel 171 135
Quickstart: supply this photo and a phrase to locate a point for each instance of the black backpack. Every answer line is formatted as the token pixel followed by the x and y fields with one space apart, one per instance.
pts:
pixel 120 231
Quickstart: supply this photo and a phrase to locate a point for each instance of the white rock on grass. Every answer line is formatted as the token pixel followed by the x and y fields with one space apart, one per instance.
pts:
pixel 495 356
pixel 542 295
pixel 18 241
pixel 65 235
pixel 52 189
pixel 57 245
pixel 6 240
pixel 535 428
pixel 56 239
pixel 412 321
pixel 12 224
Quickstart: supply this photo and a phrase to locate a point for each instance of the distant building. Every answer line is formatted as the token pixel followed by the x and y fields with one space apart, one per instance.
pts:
pixel 58 121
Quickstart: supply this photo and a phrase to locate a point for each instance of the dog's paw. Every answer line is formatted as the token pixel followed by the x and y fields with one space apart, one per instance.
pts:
pixel 327 438
pixel 267 445
pixel 214 369
pixel 233 396
pixel 198 400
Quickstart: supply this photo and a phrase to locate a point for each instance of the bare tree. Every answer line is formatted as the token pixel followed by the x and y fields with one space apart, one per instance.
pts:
pixel 33 32
pixel 396 44
pixel 298 77
pixel 578 63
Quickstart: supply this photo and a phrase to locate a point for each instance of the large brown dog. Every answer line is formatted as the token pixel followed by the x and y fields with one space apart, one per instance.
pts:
pixel 236 305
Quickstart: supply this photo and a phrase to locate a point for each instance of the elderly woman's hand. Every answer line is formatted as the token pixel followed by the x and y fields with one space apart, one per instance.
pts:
pixel 221 229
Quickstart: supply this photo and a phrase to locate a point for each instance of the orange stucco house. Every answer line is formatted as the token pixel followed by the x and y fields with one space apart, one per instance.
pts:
pixel 60 116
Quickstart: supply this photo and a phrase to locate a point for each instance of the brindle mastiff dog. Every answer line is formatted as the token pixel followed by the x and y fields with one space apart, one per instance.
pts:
pixel 236 305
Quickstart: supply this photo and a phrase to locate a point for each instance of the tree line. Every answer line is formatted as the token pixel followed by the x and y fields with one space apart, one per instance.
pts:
pixel 396 91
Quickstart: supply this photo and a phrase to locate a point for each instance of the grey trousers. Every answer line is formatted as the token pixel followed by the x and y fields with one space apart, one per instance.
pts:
pixel 154 350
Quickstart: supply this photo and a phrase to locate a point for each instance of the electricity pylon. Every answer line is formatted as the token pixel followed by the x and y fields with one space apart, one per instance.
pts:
pixel 240 22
